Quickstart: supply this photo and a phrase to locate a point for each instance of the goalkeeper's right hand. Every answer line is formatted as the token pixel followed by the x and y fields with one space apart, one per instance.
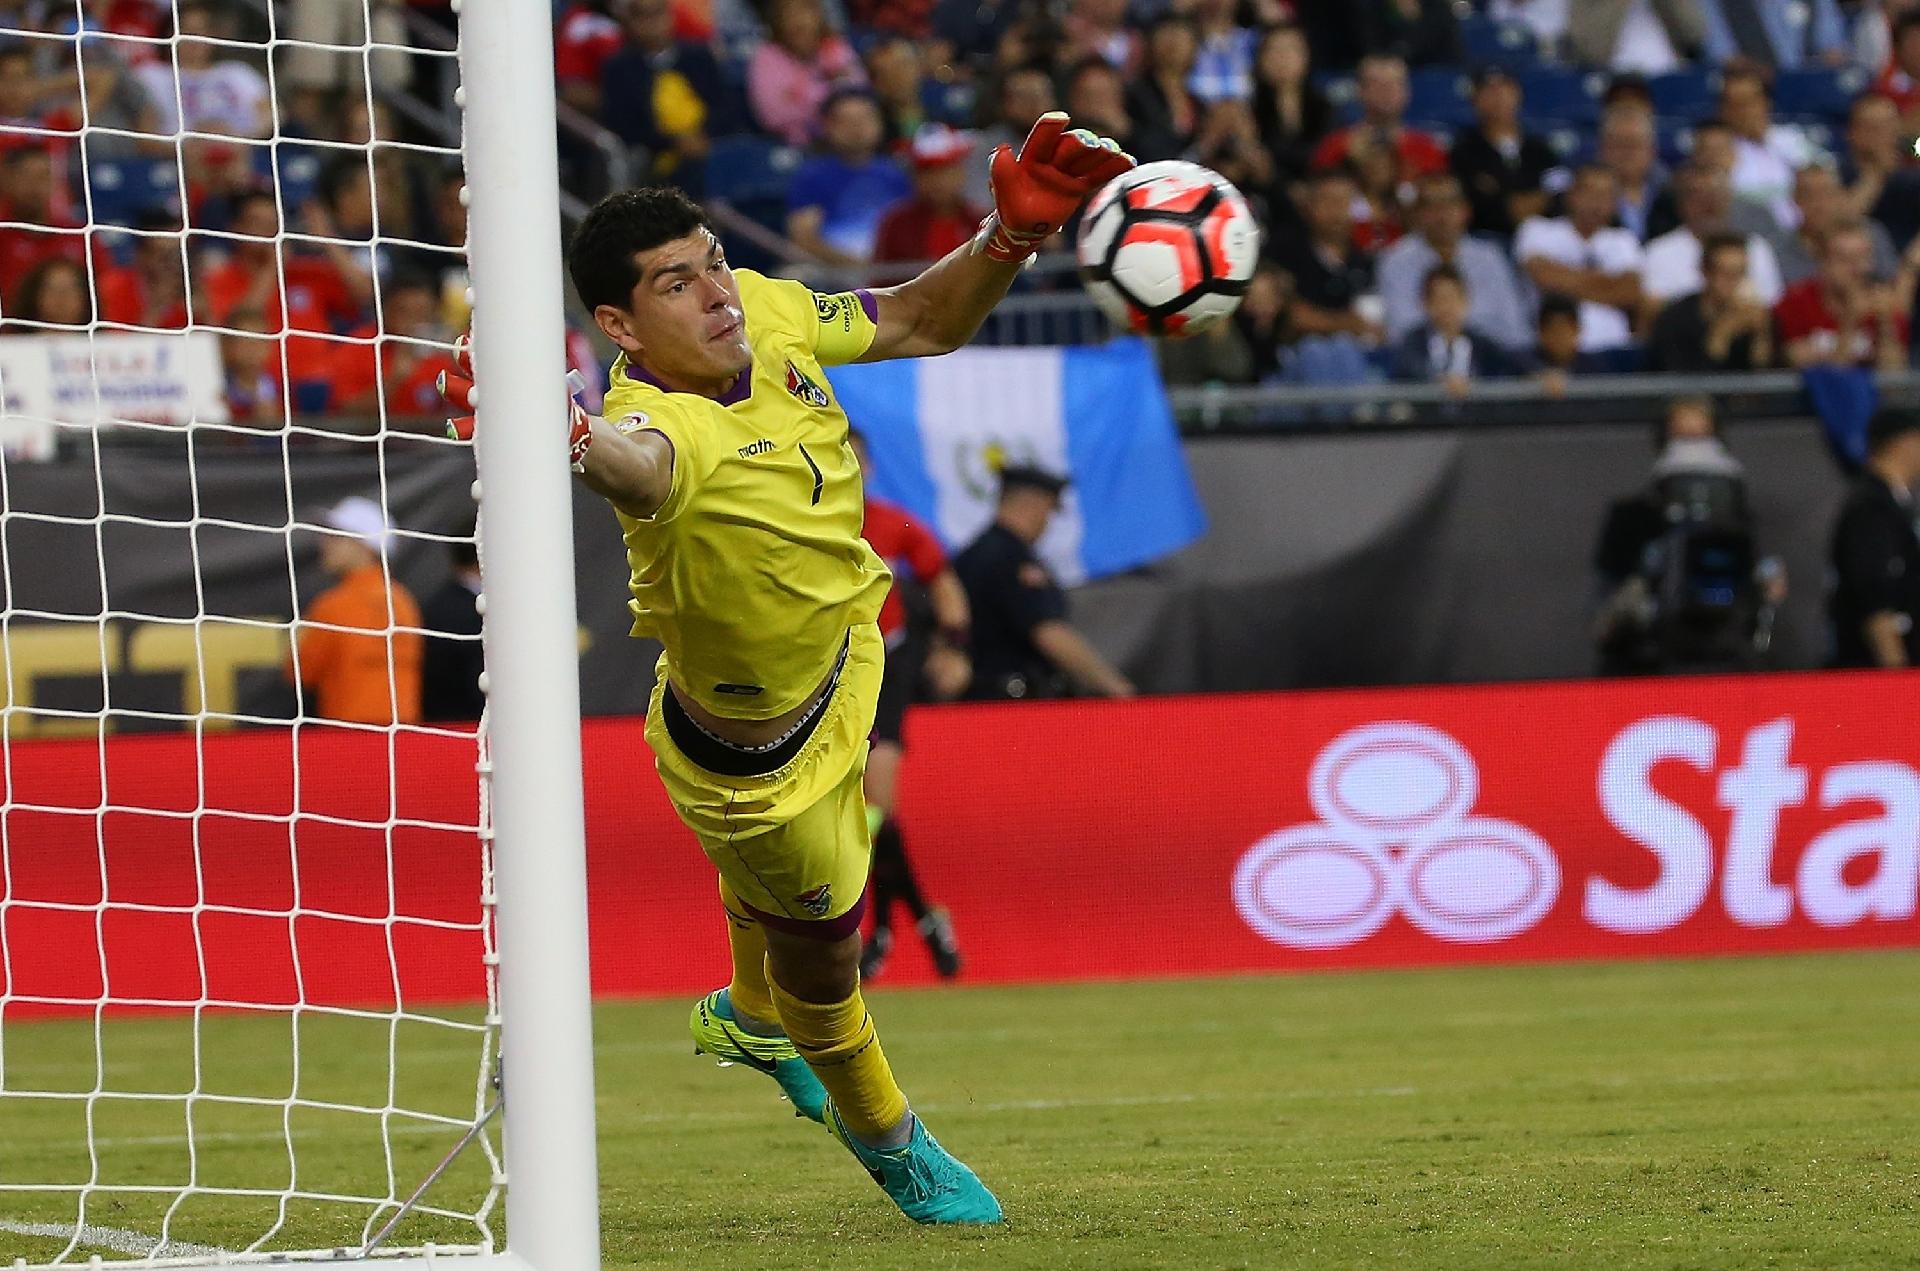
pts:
pixel 460 392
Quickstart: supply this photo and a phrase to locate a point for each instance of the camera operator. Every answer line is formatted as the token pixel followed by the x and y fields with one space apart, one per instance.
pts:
pixel 1875 604
pixel 1683 587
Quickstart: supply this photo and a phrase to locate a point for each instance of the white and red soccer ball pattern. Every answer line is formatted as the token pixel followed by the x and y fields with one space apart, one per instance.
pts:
pixel 1168 248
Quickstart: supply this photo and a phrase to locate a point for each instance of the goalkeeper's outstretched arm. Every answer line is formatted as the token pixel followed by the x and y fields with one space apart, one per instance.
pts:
pixel 1034 194
pixel 633 471
pixel 631 467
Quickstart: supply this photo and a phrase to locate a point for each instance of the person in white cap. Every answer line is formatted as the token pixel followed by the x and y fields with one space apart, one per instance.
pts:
pixel 371 678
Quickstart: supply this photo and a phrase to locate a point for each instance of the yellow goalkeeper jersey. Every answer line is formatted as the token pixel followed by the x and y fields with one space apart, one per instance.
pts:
pixel 753 570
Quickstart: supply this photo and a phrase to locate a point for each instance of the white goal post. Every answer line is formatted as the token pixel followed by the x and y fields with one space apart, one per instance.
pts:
pixel 553 1201
pixel 188 989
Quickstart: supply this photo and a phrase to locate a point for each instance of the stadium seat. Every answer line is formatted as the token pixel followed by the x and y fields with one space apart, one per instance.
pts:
pixel 1818 91
pixel 1674 138
pixel 1687 94
pixel 300 168
pixel 752 174
pixel 1342 94
pixel 1490 43
pixel 124 190
pixel 750 170
pixel 1571 142
pixel 1560 92
pixel 1440 95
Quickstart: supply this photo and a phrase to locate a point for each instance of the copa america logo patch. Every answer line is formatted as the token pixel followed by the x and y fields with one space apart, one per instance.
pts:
pixel 817 900
pixel 1395 835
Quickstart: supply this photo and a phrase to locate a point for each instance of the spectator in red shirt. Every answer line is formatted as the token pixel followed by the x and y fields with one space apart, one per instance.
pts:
pixel 391 365
pixel 317 293
pixel 940 666
pixel 582 42
pixel 1901 80
pixel 152 291
pixel 26 177
pixel 938 217
pixel 250 357
pixel 1841 316
pixel 1384 95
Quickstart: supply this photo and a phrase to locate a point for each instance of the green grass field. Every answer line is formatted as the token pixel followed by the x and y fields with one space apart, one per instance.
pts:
pixel 1711 1114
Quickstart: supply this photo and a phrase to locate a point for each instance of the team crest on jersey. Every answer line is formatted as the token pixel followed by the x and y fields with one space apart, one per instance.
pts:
pixel 817 900
pixel 804 388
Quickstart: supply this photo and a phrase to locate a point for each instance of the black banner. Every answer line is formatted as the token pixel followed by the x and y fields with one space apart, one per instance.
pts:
pixel 1358 558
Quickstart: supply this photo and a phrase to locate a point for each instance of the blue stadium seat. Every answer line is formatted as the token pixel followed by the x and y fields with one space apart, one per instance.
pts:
pixel 1689 94
pixel 1818 91
pixel 750 170
pixel 1440 95
pixel 1674 137
pixel 1560 92
pixel 1342 94
pixel 752 175
pixel 300 168
pixel 1489 43
pixel 1570 140
pixel 124 190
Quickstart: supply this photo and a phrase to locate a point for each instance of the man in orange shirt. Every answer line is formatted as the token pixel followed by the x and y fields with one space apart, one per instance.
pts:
pixel 364 679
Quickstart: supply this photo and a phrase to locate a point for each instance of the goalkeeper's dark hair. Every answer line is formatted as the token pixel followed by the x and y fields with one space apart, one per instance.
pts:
pixel 600 256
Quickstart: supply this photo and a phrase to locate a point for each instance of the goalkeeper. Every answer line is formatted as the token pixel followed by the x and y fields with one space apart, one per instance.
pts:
pixel 728 463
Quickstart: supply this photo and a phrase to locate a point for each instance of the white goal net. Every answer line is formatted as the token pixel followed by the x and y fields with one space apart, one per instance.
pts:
pixel 247 969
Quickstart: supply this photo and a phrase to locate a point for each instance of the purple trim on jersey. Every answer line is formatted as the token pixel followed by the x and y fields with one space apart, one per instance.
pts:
pixel 741 390
pixel 868 305
pixel 822 929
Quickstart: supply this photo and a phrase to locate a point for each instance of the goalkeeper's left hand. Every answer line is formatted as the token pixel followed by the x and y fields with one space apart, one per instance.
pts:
pixel 1038 191
pixel 458 389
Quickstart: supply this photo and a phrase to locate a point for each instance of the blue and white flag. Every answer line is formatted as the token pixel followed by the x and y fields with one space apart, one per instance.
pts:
pixel 940 429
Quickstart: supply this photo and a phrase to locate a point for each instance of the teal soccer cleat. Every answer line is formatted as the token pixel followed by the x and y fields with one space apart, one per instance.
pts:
pixel 715 1033
pixel 923 1178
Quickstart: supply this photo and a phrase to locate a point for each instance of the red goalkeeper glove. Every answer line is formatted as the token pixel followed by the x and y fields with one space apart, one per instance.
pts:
pixel 460 392
pixel 1037 192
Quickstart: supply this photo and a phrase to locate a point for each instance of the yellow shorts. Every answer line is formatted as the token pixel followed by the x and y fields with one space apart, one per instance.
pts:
pixel 793 843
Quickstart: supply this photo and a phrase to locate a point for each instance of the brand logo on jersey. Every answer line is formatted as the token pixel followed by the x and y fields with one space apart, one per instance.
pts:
pixel 803 388
pixel 759 447
pixel 817 900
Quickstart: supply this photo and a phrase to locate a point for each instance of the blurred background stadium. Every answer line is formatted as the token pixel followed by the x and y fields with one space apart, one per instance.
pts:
pixel 1559 364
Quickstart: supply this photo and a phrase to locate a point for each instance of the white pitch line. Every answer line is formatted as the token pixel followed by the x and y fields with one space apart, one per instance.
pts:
pixel 118 1239
pixel 939 1106
pixel 265 1136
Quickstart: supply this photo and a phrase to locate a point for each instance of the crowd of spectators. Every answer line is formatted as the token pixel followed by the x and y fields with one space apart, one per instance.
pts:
pixel 1452 191
pixel 329 258
pixel 1568 176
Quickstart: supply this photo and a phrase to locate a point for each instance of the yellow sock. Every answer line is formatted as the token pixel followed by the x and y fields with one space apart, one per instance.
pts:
pixel 748 941
pixel 839 1044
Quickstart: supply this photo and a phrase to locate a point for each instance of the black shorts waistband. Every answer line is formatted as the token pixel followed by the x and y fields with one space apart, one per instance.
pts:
pixel 719 756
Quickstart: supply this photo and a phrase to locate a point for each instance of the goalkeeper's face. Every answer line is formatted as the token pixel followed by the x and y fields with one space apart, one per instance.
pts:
pixel 683 320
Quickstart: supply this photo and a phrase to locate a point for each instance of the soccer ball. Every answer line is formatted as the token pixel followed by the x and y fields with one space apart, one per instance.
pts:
pixel 1168 248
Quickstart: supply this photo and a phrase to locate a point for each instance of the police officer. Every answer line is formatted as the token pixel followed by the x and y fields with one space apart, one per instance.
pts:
pixel 1023 645
pixel 1875 605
